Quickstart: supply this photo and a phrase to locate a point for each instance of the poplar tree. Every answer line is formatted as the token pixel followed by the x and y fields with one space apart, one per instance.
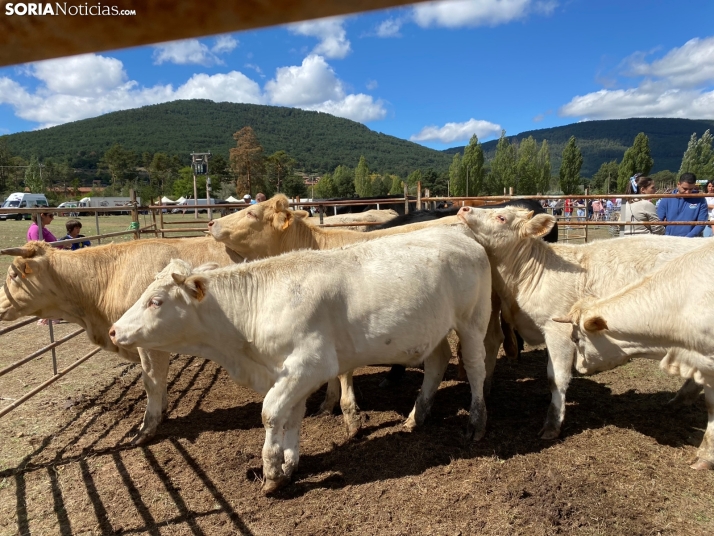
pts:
pixel 396 188
pixel 572 161
pixel 472 163
pixel 325 187
pixel 363 182
pixel 699 157
pixel 344 180
pixel 637 159
pixel 544 168
pixel 503 166
pixel 457 177
pixel 527 172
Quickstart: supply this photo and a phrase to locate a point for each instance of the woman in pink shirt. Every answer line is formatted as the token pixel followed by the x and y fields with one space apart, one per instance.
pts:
pixel 33 233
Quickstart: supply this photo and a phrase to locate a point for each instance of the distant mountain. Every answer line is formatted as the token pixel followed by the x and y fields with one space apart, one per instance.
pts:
pixel 318 141
pixel 602 141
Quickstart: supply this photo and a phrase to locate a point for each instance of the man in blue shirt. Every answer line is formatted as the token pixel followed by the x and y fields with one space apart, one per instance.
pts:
pixel 684 208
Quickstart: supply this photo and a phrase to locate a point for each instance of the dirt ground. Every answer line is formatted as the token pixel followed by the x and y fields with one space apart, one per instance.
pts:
pixel 67 465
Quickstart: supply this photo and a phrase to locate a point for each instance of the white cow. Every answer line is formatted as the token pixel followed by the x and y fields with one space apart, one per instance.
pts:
pixel 285 325
pixel 538 281
pixel 661 316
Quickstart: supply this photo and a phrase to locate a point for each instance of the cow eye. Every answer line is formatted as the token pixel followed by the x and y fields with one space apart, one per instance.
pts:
pixel 155 302
pixel 251 214
pixel 501 219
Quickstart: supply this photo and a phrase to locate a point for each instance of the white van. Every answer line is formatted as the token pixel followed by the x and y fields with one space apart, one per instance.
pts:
pixel 23 200
pixel 189 205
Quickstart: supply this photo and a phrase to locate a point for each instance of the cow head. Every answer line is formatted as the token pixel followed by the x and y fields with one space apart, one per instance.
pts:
pixel 596 348
pixel 29 289
pixel 256 231
pixel 162 317
pixel 505 226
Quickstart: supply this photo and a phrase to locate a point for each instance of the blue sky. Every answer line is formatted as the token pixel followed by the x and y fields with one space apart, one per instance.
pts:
pixel 434 73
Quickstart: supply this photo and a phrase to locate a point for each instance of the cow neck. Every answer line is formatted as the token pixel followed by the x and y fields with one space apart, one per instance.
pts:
pixel 520 267
pixel 306 236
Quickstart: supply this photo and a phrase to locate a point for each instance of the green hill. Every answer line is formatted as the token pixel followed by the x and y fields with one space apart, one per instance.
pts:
pixel 602 141
pixel 318 141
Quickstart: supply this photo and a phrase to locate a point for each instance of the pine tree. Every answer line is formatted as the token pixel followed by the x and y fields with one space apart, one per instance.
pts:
pixel 544 168
pixel 699 157
pixel 472 163
pixel 572 161
pixel 637 159
pixel 279 166
pixel 363 183
pixel 246 160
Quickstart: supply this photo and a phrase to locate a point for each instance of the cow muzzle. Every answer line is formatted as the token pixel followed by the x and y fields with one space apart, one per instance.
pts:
pixel 119 337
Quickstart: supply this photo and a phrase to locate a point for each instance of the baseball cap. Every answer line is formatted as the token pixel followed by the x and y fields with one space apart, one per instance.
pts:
pixel 246 196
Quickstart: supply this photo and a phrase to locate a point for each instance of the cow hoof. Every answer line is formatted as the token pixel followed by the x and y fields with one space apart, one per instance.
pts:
pixel 271 486
pixel 549 434
pixel 410 424
pixel 474 434
pixel 141 438
pixel 702 465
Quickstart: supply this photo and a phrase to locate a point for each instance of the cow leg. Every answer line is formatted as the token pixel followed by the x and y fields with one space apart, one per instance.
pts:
pixel 474 354
pixel 434 369
pixel 154 373
pixel 705 454
pixel 348 404
pixel 492 342
pixel 394 376
pixel 292 439
pixel 687 394
pixel 332 395
pixel 561 353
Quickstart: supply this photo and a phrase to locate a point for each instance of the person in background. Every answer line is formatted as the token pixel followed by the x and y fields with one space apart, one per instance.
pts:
pixel 709 229
pixel 33 233
pixel 568 209
pixel 640 210
pixel 260 197
pixel 248 200
pixel 73 229
pixel 597 209
pixel 609 208
pixel 580 209
pixel 684 208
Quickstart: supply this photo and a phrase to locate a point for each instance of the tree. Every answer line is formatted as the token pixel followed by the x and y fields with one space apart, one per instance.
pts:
pixel 183 186
pixel 397 186
pixel 503 165
pixel 527 170
pixel 637 159
pixel 218 168
pixel 163 172
pixel 33 176
pixel 325 187
pixel 5 162
pixel 118 162
pixel 379 187
pixel 363 182
pixel 605 178
pixel 343 177
pixel 699 157
pixel 664 179
pixel 279 167
pixel 570 165
pixel 472 163
pixel 457 177
pixel 246 160
pixel 414 177
pixel 294 186
pixel 544 168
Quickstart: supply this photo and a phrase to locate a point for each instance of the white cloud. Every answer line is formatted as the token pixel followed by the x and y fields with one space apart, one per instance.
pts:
pixel 389 28
pixel 372 84
pixel 451 132
pixel 330 31
pixel 90 85
pixel 680 84
pixel 192 51
pixel 458 13
pixel 313 85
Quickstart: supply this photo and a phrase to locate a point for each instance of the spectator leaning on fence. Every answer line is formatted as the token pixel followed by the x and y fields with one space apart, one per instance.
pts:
pixel 33 233
pixel 640 210
pixel 73 229
pixel 684 208
pixel 709 229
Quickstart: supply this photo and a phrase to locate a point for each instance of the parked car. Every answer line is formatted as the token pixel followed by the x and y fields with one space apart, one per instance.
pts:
pixel 23 200
pixel 73 205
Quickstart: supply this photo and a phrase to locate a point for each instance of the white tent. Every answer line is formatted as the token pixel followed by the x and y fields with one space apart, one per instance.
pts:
pixel 180 200
pixel 166 201
pixel 232 199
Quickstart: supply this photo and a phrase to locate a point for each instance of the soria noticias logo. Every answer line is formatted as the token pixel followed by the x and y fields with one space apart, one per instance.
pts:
pixel 62 8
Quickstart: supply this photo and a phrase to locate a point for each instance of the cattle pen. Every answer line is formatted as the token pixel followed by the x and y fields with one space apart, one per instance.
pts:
pixel 67 464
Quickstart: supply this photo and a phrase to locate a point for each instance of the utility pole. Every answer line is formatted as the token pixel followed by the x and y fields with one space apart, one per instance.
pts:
pixel 199 164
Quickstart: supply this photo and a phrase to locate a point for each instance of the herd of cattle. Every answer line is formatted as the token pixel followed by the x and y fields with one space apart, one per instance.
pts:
pixel 315 303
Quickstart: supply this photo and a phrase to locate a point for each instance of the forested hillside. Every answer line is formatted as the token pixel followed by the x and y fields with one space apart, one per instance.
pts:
pixel 318 142
pixel 603 141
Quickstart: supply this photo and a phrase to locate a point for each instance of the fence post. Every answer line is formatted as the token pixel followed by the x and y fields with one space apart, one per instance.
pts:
pixel 418 205
pixel 406 198
pixel 134 214
pixel 587 202
pixel 510 191
pixel 96 219
pixel 153 220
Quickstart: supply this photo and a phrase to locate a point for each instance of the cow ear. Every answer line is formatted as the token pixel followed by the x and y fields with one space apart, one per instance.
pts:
pixel 196 286
pixel 282 220
pixel 280 203
pixel 24 252
pixel 563 319
pixel 539 225
pixel 595 323
pixel 178 279
pixel 301 214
